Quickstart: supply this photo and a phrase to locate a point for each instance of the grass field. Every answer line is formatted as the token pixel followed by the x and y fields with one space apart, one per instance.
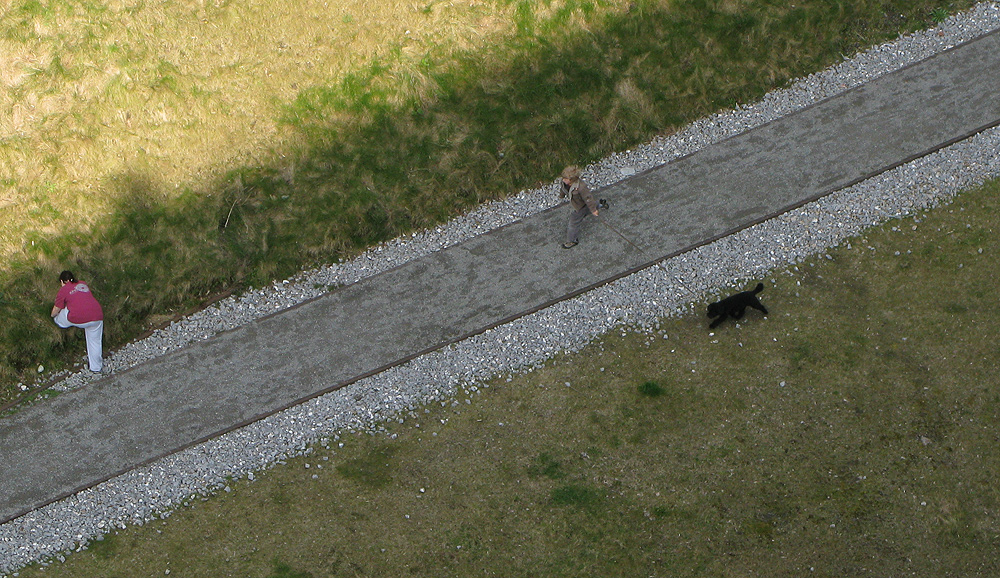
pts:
pixel 853 431
pixel 167 152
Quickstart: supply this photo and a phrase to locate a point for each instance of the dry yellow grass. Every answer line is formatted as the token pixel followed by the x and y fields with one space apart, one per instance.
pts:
pixel 171 151
pixel 177 93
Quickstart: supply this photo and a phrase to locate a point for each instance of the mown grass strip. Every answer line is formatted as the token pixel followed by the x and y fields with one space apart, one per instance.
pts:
pixel 851 431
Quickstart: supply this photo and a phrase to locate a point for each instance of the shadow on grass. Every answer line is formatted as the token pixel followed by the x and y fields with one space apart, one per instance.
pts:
pixel 394 150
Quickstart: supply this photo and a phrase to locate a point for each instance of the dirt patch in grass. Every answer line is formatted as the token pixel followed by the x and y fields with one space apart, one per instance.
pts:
pixel 852 431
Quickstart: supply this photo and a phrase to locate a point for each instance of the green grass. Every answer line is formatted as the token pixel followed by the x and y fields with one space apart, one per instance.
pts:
pixel 154 151
pixel 852 431
pixel 651 389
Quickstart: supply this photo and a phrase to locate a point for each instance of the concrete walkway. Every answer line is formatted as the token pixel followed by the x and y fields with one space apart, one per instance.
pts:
pixel 79 439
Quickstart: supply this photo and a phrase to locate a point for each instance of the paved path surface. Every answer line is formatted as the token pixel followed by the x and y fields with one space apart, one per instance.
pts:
pixel 79 439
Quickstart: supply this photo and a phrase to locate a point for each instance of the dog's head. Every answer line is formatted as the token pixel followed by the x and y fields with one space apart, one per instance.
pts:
pixel 714 309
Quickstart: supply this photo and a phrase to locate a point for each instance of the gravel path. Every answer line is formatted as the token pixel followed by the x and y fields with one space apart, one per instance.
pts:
pixel 456 374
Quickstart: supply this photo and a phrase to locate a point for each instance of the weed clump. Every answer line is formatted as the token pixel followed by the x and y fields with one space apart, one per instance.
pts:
pixel 651 389
pixel 576 495
pixel 546 466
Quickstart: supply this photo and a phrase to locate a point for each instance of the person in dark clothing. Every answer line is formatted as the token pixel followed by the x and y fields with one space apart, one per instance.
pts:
pixel 581 200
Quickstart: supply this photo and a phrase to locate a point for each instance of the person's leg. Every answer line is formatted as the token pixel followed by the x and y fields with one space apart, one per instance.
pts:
pixel 573 227
pixel 94 332
pixel 62 319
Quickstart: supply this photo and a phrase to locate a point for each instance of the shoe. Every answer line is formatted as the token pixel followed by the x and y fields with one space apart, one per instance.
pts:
pixel 570 244
pixel 602 204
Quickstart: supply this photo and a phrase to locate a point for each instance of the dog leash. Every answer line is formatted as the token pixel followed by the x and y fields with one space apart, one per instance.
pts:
pixel 636 247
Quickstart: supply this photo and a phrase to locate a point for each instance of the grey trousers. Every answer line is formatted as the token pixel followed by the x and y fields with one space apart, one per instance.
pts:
pixel 573 227
pixel 93 331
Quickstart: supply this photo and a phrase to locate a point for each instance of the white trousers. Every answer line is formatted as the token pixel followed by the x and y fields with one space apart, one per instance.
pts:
pixel 93 330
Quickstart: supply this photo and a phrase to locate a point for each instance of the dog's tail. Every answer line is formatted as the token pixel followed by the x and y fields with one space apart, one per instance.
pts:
pixel 758 288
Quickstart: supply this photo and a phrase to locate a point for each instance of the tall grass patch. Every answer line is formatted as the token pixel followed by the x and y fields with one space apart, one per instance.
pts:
pixel 173 151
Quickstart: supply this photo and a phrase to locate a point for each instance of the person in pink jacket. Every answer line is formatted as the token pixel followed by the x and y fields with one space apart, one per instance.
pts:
pixel 76 306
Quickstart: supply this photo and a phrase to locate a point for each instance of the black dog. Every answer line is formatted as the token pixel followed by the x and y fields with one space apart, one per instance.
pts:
pixel 735 305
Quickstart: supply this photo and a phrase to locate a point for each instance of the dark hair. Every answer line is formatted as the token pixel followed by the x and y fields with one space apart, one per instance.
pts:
pixel 67 276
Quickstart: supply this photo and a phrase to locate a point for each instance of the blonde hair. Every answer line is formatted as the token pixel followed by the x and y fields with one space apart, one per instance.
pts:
pixel 572 173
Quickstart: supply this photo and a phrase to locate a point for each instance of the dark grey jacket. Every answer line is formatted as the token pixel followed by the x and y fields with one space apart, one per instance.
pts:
pixel 579 195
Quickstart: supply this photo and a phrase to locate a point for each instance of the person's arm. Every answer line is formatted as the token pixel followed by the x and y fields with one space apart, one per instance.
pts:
pixel 588 198
pixel 60 302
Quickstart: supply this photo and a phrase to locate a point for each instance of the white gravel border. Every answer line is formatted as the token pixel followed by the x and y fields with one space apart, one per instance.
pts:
pixel 456 373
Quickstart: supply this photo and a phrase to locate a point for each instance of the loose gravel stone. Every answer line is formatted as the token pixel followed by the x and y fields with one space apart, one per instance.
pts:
pixel 454 374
